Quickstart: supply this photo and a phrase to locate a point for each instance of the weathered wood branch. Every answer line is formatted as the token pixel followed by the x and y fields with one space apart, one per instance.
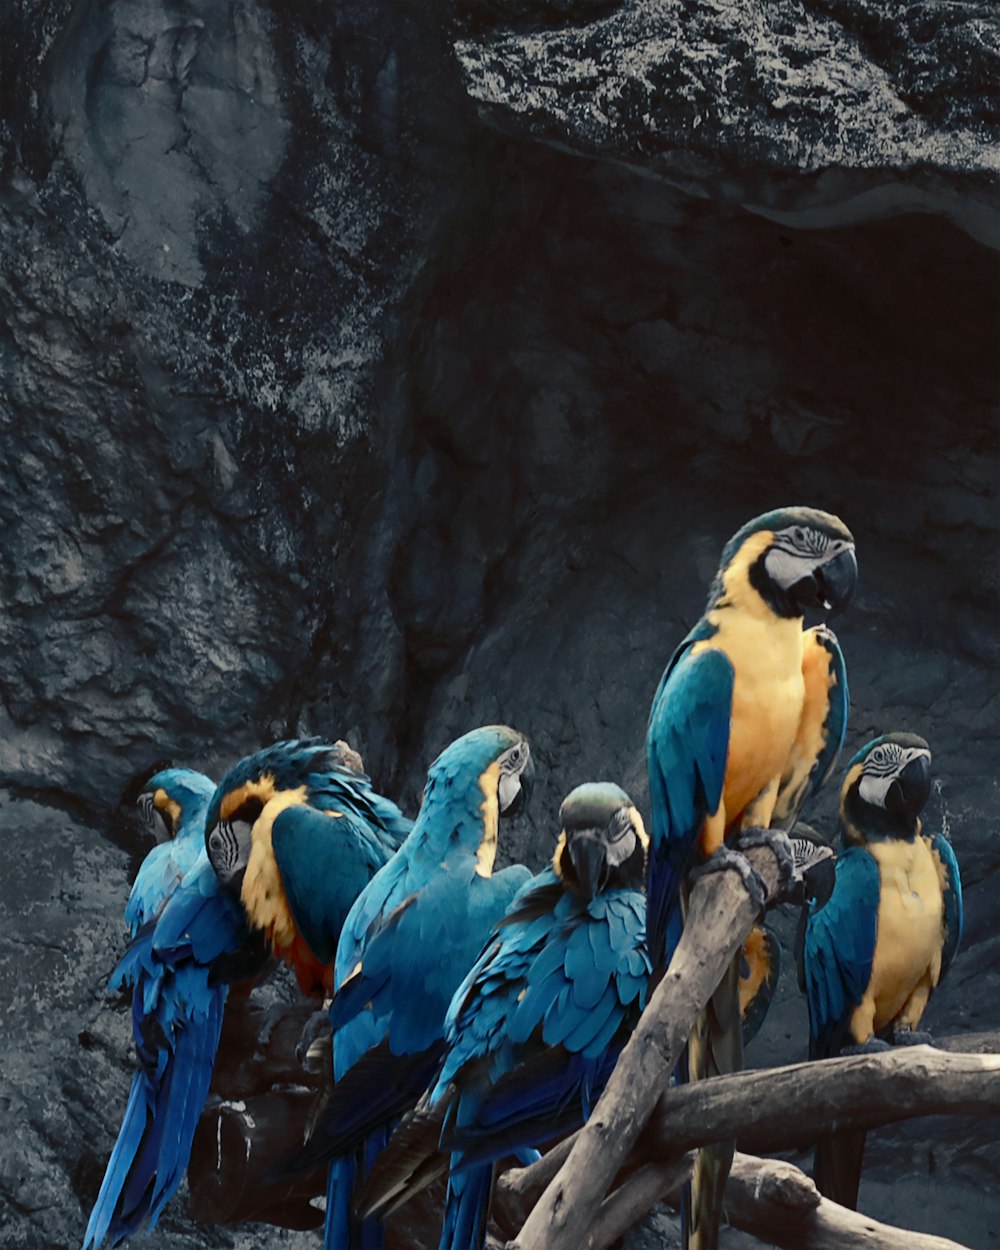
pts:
pixel 773 1200
pixel 779 1108
pixel 719 917
pixel 778 1203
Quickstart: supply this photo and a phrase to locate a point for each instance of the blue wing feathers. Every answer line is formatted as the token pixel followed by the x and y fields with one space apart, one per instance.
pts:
pixel 839 950
pixel 177 1012
pixel 954 912
pixel 687 744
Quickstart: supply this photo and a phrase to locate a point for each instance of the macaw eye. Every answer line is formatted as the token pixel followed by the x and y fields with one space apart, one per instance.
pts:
pixel 215 841
pixel 621 823
pixel 799 534
pixel 514 758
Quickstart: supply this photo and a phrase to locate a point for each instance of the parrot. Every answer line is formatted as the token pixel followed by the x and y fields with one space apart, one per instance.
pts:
pixel 409 939
pixel 884 938
pixel 535 1029
pixel 172 804
pixel 746 724
pixel 180 920
pixel 295 833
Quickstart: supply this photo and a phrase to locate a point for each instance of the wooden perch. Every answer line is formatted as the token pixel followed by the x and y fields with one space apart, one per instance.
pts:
pixel 773 1200
pixel 780 1108
pixel 719 917
pixel 779 1204
pixel 784 1108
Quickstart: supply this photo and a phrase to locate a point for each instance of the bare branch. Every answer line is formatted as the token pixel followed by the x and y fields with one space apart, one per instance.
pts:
pixel 626 1205
pixel 719 917
pixel 779 1204
pixel 779 1108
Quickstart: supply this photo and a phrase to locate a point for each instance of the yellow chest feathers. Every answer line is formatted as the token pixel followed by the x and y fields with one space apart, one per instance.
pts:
pixel 768 697
pixel 910 923
pixel 263 893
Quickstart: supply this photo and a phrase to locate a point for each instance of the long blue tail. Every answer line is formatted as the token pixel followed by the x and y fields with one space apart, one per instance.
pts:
pixel 467 1206
pixel 177 1021
pixel 344 1231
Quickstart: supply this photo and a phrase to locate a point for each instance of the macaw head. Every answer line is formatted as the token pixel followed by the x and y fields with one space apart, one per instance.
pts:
pixel 885 788
pixel 795 558
pixel 603 842
pixel 173 803
pixel 815 862
pixel 485 775
pixel 281 775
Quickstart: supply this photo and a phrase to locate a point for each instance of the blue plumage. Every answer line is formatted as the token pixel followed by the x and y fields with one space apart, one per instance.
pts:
pixel 534 1030
pixel 296 832
pixel 172 967
pixel 737 722
pixel 878 948
pixel 687 742
pixel 161 871
pixel 954 910
pixel 404 947
pixel 839 949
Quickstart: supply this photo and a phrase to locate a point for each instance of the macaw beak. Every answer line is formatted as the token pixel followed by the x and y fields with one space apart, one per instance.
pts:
pixel 590 862
pixel 836 580
pixel 911 789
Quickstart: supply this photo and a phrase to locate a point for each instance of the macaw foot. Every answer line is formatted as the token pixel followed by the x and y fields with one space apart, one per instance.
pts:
pixel 913 1037
pixel 313 1048
pixel 874 1046
pixel 728 858
pixel 789 879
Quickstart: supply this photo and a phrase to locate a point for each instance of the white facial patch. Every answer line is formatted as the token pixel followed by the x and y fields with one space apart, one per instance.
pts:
pixel 785 567
pixel 507 791
pixel 882 768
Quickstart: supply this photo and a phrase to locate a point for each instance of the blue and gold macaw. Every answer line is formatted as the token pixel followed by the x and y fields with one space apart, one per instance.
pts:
pixel 172 803
pixel 747 720
pixel 877 949
pixel 183 924
pixel 296 832
pixel 409 939
pixel 536 1028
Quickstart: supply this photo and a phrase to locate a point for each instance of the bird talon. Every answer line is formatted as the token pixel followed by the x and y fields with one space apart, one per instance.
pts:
pixel 913 1037
pixel 727 857
pixel 780 845
pixel 874 1046
pixel 314 1041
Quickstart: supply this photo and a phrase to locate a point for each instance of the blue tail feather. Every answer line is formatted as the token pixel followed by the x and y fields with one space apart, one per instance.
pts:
pixel 469 1191
pixel 154 1143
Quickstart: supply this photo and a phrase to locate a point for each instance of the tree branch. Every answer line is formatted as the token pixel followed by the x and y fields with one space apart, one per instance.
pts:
pixel 778 1203
pixel 773 1200
pixel 792 1106
pixel 769 1107
pixel 719 917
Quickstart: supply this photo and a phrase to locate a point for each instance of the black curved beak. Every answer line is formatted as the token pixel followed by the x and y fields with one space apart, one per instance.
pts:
pixel 836 580
pixel 588 855
pixel 911 789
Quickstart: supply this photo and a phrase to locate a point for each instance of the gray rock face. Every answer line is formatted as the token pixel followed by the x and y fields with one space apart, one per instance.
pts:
pixel 331 401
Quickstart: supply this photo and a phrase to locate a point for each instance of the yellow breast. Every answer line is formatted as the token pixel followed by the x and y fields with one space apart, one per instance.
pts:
pixel 768 693
pixel 910 924
pixel 263 894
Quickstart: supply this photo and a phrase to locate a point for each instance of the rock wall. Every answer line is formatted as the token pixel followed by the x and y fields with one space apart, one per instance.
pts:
pixel 376 375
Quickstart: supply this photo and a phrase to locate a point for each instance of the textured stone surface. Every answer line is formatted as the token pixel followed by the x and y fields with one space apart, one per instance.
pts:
pixel 325 406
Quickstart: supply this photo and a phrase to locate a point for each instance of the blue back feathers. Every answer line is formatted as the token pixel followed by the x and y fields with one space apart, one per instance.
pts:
pixel 178 998
pixel 331 784
pixel 166 864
